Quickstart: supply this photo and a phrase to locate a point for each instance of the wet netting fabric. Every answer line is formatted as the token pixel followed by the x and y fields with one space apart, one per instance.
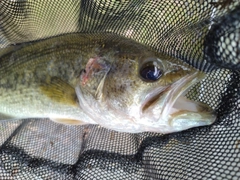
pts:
pixel 203 33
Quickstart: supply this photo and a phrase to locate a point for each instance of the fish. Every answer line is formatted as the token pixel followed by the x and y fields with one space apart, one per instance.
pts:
pixel 102 79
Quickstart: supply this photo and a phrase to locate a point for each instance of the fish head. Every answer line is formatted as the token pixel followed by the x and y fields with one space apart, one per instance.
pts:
pixel 136 90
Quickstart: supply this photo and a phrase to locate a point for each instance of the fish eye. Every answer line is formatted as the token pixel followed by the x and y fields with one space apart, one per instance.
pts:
pixel 150 71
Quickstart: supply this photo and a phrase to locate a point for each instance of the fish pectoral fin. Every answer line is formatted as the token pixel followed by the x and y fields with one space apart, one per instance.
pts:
pixel 59 91
pixel 68 121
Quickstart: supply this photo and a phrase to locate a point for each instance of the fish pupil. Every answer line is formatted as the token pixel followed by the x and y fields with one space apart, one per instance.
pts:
pixel 150 72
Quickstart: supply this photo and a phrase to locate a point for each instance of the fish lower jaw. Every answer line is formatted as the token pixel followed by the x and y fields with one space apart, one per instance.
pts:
pixel 185 114
pixel 183 104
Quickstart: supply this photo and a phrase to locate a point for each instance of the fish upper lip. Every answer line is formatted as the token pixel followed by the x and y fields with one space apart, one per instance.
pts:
pixel 180 88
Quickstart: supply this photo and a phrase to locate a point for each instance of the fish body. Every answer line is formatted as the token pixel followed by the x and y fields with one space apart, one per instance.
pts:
pixel 100 79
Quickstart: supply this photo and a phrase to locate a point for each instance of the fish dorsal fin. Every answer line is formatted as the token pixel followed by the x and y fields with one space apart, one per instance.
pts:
pixel 59 91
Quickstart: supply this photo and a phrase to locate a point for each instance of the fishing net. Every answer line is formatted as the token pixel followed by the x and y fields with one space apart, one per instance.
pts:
pixel 203 33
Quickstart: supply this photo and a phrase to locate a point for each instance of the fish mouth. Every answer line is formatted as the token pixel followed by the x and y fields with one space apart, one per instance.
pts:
pixel 175 108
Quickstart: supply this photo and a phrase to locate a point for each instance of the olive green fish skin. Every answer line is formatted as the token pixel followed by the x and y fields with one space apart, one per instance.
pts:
pixel 77 79
pixel 24 71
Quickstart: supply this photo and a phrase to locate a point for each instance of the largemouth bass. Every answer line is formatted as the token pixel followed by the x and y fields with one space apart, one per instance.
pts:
pixel 100 79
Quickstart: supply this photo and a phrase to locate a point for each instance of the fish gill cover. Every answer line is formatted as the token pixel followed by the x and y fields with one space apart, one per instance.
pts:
pixel 204 34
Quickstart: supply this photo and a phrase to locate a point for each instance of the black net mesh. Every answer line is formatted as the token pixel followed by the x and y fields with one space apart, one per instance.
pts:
pixel 204 34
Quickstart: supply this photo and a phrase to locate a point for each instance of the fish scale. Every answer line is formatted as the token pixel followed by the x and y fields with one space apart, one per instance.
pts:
pixel 79 79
